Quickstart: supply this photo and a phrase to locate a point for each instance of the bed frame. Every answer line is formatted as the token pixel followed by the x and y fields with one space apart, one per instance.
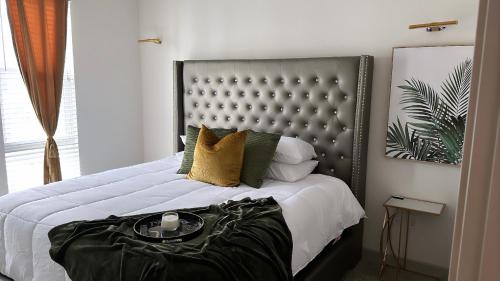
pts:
pixel 325 101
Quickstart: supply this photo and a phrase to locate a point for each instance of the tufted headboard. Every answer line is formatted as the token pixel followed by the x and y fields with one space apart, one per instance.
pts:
pixel 325 101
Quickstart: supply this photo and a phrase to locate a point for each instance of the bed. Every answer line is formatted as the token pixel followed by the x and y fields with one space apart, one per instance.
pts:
pixel 321 100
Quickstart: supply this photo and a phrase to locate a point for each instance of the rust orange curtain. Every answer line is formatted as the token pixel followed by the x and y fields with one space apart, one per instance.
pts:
pixel 39 36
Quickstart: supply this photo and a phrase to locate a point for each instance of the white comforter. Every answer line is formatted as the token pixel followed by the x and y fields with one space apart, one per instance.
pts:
pixel 317 209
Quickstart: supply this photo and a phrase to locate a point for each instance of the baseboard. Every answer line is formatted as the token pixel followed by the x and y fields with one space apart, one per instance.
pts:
pixel 371 256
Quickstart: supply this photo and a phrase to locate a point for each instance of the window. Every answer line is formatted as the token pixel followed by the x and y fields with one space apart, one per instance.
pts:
pixel 23 136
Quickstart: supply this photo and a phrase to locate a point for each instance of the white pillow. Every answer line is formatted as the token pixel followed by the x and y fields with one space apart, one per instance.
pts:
pixel 290 172
pixel 289 150
pixel 179 155
pixel 293 151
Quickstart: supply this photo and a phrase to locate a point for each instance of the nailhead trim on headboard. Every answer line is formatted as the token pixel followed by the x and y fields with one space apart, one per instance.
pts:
pixel 324 101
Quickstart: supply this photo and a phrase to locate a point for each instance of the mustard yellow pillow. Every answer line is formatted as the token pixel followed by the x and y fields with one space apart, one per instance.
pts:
pixel 218 161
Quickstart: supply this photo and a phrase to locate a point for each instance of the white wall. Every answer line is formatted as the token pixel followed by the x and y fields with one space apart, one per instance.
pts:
pixel 295 28
pixel 107 77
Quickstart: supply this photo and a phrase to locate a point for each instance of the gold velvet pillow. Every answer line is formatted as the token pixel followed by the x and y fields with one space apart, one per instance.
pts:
pixel 218 161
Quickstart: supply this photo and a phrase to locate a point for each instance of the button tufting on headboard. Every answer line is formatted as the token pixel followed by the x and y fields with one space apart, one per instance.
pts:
pixel 324 101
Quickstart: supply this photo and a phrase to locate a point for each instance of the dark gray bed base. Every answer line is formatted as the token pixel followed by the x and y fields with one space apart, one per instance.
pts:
pixel 4 277
pixel 335 260
pixel 325 101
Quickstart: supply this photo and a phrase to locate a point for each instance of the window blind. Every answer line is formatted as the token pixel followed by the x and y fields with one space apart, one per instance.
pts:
pixel 23 136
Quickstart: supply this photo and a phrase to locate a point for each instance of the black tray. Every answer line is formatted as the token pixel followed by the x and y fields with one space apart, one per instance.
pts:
pixel 149 229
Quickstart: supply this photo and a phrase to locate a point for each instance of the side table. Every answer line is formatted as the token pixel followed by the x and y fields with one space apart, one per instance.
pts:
pixel 402 207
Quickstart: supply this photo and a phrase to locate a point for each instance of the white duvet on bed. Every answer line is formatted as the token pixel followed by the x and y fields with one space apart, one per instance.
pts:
pixel 317 209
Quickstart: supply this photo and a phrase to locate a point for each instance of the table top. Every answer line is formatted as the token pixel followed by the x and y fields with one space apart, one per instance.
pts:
pixel 416 205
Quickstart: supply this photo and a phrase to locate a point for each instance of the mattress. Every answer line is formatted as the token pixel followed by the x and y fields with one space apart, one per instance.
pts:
pixel 317 209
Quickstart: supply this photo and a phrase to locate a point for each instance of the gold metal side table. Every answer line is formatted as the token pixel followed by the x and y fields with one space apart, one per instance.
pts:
pixel 402 207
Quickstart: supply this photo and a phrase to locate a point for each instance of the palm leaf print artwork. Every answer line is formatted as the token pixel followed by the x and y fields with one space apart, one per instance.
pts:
pixel 436 118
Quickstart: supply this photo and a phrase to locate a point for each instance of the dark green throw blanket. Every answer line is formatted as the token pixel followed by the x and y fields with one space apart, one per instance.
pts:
pixel 242 240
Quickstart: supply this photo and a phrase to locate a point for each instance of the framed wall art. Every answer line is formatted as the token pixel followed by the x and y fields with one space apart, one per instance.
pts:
pixel 429 100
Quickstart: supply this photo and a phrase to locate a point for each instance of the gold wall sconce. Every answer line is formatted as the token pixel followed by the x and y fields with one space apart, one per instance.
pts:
pixel 434 26
pixel 150 40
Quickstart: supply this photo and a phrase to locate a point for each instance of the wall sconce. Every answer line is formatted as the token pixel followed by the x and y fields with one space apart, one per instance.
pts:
pixel 434 26
pixel 150 40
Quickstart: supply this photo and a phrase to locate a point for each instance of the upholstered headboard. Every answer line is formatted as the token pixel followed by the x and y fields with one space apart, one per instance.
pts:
pixel 325 101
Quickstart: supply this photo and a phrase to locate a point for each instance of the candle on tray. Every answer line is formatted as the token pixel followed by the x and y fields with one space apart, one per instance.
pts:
pixel 170 221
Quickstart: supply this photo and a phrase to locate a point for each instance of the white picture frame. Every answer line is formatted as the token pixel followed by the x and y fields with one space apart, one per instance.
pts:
pixel 429 98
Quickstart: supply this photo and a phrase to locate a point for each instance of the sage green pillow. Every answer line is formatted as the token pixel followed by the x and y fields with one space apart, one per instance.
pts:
pixel 259 152
pixel 191 138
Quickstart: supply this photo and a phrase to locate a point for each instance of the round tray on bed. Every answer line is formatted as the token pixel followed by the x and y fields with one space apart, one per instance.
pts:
pixel 148 228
